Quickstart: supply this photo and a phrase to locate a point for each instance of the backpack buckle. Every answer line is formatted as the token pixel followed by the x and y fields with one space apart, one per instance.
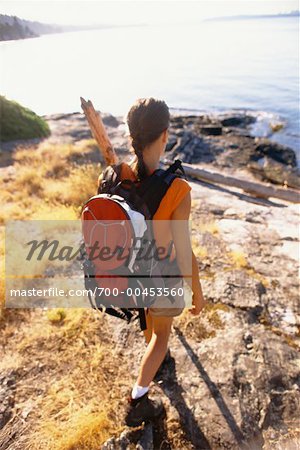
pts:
pixel 176 165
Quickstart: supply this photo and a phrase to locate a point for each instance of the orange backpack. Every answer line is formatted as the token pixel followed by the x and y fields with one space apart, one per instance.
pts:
pixel 119 260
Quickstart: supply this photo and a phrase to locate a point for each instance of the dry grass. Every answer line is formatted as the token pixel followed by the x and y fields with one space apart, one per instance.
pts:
pixel 56 315
pixel 85 429
pixel 206 325
pixel 52 154
pixel 208 227
pixel 73 413
pixel 2 272
pixel 49 182
pixel 238 258
pixel 63 393
pixel 29 181
pixel 292 341
pixel 75 189
pixel 50 212
pixel 64 389
pixel 199 250
pixel 283 439
pixel 263 280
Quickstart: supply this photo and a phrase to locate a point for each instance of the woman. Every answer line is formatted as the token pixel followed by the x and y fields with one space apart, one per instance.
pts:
pixel 148 123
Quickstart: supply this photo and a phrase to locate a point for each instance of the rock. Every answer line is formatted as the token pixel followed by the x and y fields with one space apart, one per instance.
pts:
pixel 109 120
pixel 218 211
pixel 278 438
pixel 278 152
pixel 171 143
pixel 234 227
pixel 238 289
pixel 180 132
pixel 141 439
pixel 110 444
pixel 7 392
pixel 146 440
pixel 268 169
pixel 254 217
pixel 211 130
pixel 123 442
pixel 248 340
pixel 230 212
pixel 275 127
pixel 281 174
pixel 245 384
pixel 219 140
pixel 256 169
pixel 177 121
pixel 191 148
pixel 189 120
pixel 238 121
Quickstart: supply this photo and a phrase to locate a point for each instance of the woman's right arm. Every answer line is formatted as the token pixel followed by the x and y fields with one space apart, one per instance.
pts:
pixel 184 253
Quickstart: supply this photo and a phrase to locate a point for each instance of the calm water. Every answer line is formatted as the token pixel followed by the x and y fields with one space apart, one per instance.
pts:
pixel 209 66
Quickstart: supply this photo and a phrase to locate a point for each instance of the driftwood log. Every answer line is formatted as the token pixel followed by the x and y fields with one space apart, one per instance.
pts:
pixel 257 189
pixel 98 131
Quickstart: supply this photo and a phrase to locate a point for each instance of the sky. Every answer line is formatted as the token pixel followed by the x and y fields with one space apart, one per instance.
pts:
pixel 89 12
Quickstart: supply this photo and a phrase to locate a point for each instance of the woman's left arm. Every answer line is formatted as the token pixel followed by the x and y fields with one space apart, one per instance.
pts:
pixel 184 254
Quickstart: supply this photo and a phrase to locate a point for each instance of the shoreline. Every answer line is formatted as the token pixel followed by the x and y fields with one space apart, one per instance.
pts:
pixel 266 124
pixel 223 142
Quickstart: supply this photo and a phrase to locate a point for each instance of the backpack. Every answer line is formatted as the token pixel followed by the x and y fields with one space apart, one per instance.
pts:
pixel 121 213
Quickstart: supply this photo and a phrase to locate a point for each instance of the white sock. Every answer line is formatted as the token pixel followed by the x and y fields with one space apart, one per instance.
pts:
pixel 138 391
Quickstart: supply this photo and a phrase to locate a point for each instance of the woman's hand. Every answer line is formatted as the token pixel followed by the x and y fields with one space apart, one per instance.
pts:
pixel 198 304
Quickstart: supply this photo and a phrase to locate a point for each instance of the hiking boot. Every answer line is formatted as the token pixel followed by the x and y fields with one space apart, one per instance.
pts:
pixel 166 361
pixel 142 410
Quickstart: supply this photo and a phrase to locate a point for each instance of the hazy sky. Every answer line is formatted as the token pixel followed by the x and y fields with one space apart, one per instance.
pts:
pixel 139 11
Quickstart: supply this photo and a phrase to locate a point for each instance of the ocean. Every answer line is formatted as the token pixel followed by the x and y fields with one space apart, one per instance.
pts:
pixel 207 66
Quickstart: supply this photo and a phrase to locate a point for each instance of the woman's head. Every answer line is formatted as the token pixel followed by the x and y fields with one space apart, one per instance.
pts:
pixel 147 120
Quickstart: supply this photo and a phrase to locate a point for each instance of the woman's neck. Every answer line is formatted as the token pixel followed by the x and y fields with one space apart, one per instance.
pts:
pixel 151 157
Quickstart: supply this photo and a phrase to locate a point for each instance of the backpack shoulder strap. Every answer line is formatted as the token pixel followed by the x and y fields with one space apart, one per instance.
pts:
pixel 110 178
pixel 113 174
pixel 154 187
pixel 177 165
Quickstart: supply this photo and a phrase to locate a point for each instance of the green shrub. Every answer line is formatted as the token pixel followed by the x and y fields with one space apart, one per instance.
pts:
pixel 17 122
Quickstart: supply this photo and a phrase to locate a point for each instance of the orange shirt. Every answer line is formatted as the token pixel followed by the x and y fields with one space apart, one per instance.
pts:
pixel 161 219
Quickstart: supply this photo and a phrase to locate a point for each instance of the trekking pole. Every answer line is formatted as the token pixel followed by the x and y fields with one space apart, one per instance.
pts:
pixel 98 131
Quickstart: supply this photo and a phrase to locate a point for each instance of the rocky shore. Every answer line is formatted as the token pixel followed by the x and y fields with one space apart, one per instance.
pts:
pixel 226 142
pixel 222 142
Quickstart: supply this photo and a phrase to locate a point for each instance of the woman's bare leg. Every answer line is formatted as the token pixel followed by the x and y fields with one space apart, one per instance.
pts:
pixel 156 349
pixel 148 331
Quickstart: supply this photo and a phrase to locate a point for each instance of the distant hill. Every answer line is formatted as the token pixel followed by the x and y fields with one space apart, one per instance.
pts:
pixel 249 17
pixel 12 27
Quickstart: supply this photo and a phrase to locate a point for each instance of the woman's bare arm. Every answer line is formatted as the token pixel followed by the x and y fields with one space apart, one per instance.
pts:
pixel 184 252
